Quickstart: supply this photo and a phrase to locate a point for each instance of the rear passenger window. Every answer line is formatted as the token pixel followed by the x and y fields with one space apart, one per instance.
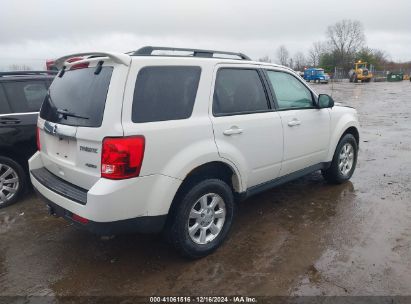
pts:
pixel 238 91
pixel 165 93
pixel 4 105
pixel 25 96
pixel 35 93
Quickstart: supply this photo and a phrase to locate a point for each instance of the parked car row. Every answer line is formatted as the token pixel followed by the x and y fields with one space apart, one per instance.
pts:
pixel 21 96
pixel 143 142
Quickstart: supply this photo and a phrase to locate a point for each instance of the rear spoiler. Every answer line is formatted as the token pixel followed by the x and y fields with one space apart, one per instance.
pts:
pixel 116 57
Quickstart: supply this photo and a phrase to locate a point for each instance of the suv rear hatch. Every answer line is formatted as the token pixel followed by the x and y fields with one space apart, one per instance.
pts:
pixel 82 107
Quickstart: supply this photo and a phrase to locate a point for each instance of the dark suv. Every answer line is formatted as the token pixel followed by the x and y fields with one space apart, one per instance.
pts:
pixel 21 96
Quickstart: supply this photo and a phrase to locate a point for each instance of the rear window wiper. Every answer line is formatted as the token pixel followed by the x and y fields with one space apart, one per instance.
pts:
pixel 65 113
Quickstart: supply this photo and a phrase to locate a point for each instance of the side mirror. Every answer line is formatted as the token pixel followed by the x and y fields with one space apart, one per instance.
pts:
pixel 325 101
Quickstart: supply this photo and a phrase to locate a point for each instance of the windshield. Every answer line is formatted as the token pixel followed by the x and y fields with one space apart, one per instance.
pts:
pixel 320 72
pixel 77 98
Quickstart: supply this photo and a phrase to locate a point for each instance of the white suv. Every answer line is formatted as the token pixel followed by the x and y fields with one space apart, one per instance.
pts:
pixel 141 142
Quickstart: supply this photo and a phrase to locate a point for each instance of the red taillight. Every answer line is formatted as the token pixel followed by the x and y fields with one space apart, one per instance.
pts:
pixel 38 139
pixel 79 219
pixel 121 157
pixel 50 64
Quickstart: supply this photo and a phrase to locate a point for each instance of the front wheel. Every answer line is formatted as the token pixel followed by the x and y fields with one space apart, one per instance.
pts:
pixel 344 161
pixel 202 219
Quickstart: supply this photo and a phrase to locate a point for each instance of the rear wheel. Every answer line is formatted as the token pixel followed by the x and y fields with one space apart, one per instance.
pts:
pixel 202 219
pixel 344 161
pixel 12 181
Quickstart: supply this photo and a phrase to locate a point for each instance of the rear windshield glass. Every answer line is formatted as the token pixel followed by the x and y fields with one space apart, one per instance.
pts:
pixel 165 93
pixel 78 98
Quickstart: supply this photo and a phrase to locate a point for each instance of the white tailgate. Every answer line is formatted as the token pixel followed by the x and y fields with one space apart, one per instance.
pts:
pixel 73 153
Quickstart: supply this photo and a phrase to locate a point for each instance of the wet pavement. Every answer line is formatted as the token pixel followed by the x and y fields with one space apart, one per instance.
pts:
pixel 302 238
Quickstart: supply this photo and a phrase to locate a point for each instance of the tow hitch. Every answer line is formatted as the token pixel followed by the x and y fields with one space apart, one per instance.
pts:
pixel 51 210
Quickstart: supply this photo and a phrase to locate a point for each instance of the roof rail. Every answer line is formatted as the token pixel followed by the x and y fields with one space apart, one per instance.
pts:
pixel 148 51
pixel 26 73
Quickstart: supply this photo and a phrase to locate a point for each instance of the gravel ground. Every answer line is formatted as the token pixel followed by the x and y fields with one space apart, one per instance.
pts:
pixel 302 238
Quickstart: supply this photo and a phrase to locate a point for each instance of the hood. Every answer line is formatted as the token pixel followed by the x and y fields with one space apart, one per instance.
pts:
pixel 339 104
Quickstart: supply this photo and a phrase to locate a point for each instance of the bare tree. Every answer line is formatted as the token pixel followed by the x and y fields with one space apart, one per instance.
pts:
pixel 315 52
pixel 380 56
pixel 265 59
pixel 299 61
pixel 19 67
pixel 345 38
pixel 282 55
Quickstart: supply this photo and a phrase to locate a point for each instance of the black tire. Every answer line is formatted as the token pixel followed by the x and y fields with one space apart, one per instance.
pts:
pixel 333 174
pixel 178 226
pixel 22 183
pixel 355 79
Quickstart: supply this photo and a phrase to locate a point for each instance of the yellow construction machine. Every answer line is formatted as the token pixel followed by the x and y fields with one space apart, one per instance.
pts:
pixel 360 72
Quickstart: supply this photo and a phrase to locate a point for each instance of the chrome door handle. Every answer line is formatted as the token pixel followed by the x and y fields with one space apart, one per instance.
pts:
pixel 233 130
pixel 294 122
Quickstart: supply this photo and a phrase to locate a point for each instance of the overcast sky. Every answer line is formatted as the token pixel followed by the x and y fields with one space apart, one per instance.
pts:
pixel 33 30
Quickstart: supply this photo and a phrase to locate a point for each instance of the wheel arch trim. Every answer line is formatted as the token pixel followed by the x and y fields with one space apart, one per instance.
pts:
pixel 342 127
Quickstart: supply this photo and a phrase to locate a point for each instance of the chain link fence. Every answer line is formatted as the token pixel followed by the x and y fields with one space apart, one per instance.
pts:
pixel 339 75
pixel 379 76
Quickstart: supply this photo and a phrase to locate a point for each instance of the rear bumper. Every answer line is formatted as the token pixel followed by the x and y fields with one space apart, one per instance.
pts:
pixel 118 204
pixel 144 224
pixel 60 186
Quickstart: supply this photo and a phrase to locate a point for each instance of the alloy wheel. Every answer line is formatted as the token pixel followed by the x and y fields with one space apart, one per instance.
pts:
pixel 346 159
pixel 206 218
pixel 9 183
